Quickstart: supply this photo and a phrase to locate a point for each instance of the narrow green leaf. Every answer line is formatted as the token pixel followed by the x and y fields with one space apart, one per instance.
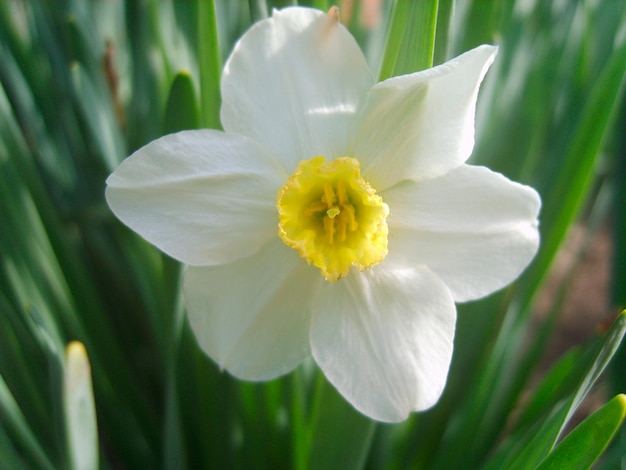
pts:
pixel 548 396
pixel 546 437
pixel 80 410
pixel 206 407
pixel 12 419
pixel 145 96
pixel 99 117
pixel 601 360
pixel 618 260
pixel 419 48
pixel 410 42
pixel 210 65
pixel 397 24
pixel 11 457
pixel 551 388
pixel 442 31
pixel 173 440
pixel 181 111
pixel 481 23
pixel 258 9
pixel 341 435
pixel 582 447
pixel 299 434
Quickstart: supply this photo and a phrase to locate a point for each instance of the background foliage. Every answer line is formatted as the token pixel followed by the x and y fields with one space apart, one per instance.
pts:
pixel 83 84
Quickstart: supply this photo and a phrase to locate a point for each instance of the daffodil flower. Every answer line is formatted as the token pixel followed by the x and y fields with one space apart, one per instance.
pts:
pixel 333 216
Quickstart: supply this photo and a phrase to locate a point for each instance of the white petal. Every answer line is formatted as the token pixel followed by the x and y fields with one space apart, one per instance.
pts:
pixel 293 83
pixel 421 125
pixel 474 228
pixel 252 316
pixel 384 340
pixel 203 197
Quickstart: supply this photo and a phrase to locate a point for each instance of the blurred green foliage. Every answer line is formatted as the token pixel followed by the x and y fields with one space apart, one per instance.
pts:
pixel 83 84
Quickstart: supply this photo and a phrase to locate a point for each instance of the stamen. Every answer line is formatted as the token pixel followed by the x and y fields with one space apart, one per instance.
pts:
pixel 314 208
pixel 329 197
pixel 329 230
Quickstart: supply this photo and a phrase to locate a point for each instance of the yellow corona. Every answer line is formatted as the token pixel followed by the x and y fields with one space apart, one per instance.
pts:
pixel 333 217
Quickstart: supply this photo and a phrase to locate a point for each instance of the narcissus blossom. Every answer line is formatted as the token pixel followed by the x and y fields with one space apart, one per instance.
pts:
pixel 333 216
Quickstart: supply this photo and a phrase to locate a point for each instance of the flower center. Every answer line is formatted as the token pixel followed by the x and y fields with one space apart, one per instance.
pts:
pixel 333 217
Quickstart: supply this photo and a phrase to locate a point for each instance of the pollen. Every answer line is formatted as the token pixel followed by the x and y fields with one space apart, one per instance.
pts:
pixel 333 217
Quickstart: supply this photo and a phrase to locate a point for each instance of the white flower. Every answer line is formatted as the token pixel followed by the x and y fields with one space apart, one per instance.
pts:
pixel 334 216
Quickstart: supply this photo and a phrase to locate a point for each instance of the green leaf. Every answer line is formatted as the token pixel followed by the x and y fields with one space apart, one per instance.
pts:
pixel 551 389
pixel 546 437
pixel 210 65
pixel 618 259
pixel 481 23
pixel 444 18
pixel 419 49
pixel 181 111
pixel 410 45
pixel 98 116
pixel 341 435
pixel 11 458
pixel 299 430
pixel 582 447
pixel 258 9
pixel 601 360
pixel 12 419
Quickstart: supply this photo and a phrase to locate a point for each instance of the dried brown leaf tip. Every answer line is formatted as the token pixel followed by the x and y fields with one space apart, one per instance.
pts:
pixel 334 13
pixel 328 25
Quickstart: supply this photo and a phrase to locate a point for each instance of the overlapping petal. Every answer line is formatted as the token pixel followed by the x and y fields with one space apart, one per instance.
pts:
pixel 384 339
pixel 421 125
pixel 252 316
pixel 203 197
pixel 474 228
pixel 293 83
